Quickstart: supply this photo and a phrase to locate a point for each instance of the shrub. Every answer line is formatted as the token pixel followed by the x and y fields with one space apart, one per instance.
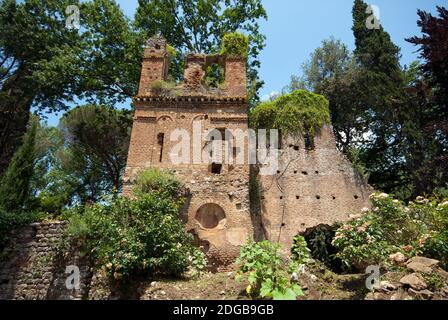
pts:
pixel 266 272
pixel 160 183
pixel 136 237
pixel 235 44
pixel 319 240
pixel 161 87
pixel 299 250
pixel 198 261
pixel 419 228
pixel 297 113
pixel 131 237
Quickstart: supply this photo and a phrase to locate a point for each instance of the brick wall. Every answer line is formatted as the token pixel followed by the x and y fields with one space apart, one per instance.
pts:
pixel 229 189
pixel 312 187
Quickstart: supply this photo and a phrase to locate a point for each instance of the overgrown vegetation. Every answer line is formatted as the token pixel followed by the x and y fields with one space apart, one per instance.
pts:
pixel 419 228
pixel 164 88
pixel 235 45
pixel 300 253
pixel 16 208
pixel 10 221
pixel 319 241
pixel 268 275
pixel 137 237
pixel 297 113
pixel 15 183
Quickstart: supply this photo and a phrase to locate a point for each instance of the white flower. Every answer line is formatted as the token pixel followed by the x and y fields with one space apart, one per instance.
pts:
pixel 443 204
pixel 396 201
pixel 383 195
pixel 421 200
pixel 365 210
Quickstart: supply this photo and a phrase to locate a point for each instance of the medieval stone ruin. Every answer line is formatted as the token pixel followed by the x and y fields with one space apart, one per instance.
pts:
pixel 314 184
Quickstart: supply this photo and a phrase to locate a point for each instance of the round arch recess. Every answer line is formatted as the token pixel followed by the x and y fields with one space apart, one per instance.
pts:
pixel 210 216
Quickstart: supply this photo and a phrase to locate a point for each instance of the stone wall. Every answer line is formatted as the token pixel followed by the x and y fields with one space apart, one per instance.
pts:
pixel 314 185
pixel 32 266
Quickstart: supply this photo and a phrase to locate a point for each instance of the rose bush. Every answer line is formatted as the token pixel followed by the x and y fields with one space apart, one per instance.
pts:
pixel 392 227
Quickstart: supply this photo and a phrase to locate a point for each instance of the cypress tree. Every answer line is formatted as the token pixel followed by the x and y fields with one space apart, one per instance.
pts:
pixel 15 183
pixel 375 51
pixel 382 86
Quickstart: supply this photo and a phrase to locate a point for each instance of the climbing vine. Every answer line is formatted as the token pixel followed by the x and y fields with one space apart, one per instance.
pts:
pixel 298 113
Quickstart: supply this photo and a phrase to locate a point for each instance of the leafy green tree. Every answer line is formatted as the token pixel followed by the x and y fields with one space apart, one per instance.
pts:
pixel 39 63
pixel 97 140
pixel 45 66
pixel 112 53
pixel 52 188
pixel 332 72
pixel 428 94
pixel 15 184
pixel 199 26
pixel 82 160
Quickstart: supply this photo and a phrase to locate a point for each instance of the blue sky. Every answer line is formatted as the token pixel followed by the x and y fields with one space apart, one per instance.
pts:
pixel 296 27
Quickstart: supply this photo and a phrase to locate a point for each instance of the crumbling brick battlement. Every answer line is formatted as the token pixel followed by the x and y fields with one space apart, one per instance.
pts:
pixel 155 70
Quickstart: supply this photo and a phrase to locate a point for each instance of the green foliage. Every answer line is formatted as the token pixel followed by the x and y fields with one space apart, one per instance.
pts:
pixel 235 45
pixel 47 66
pixel 132 237
pixel 214 76
pixel 353 155
pixel 10 221
pixel 155 181
pixel 300 252
pixel 15 184
pixel 136 237
pixel 428 124
pixel 297 113
pixel 319 242
pixel 391 227
pixel 434 280
pixel 172 53
pixel 198 261
pixel 164 88
pixel 261 263
pixel 92 158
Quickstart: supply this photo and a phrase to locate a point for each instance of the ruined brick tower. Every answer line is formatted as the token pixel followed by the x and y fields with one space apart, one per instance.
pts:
pixel 315 184
pixel 217 211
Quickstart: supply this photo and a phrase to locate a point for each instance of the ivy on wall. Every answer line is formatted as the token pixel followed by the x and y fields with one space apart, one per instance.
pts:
pixel 298 113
